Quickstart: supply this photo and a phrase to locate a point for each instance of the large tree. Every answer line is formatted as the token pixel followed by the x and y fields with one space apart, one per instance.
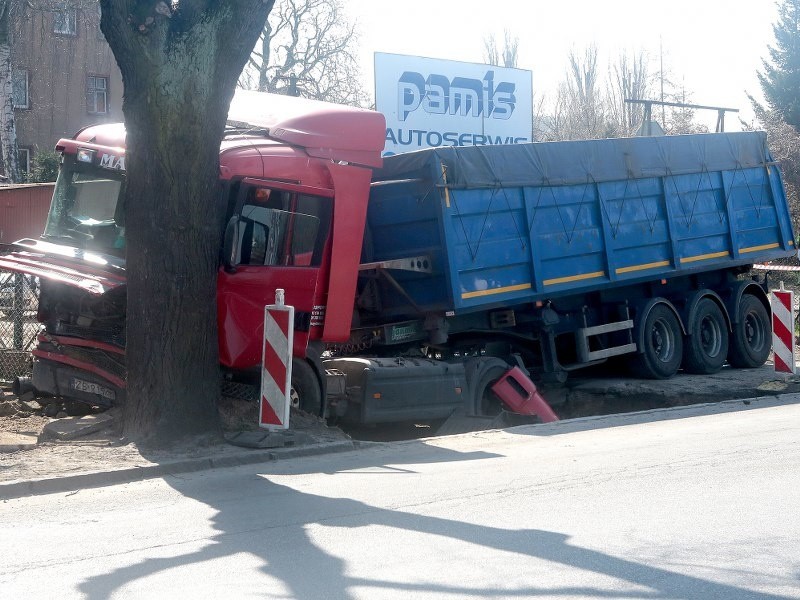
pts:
pixel 179 61
pixel 8 130
pixel 780 79
pixel 307 48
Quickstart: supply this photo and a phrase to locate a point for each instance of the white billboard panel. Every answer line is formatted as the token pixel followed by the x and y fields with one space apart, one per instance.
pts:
pixel 430 102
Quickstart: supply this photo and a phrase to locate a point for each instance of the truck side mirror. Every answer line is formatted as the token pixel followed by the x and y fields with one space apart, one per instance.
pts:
pixel 230 245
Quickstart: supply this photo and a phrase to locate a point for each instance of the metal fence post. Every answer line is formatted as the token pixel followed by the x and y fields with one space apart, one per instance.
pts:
pixel 19 309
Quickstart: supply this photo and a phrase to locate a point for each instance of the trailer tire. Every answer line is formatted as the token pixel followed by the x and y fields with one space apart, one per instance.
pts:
pixel 305 392
pixel 706 346
pixel 662 350
pixel 752 334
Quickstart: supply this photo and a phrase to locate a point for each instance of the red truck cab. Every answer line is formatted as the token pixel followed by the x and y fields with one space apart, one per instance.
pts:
pixel 295 180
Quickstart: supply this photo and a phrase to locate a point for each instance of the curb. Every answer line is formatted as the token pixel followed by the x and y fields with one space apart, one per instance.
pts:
pixel 71 483
pixel 654 415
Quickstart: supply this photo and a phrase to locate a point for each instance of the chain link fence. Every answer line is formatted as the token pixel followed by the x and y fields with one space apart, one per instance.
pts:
pixel 19 301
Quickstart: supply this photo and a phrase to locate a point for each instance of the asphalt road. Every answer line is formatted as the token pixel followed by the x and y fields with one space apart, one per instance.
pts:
pixel 701 507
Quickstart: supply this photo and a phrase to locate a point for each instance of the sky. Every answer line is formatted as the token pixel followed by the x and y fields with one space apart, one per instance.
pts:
pixel 713 47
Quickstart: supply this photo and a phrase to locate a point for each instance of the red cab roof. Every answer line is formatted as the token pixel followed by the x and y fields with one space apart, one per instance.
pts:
pixel 341 133
pixel 323 130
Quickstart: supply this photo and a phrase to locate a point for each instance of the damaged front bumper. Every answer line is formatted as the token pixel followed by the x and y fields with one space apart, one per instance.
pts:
pixel 89 371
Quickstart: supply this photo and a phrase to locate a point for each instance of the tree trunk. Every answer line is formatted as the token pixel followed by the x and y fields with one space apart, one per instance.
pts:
pixel 179 63
pixel 8 130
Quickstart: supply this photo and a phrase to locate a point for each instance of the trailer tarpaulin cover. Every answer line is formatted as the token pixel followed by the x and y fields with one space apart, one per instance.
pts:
pixel 578 162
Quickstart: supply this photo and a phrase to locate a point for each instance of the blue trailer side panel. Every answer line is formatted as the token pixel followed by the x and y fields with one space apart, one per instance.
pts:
pixel 516 224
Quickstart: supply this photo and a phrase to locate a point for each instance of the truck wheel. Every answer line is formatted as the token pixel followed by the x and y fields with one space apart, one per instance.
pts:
pixel 663 345
pixel 707 343
pixel 305 393
pixel 481 376
pixel 752 335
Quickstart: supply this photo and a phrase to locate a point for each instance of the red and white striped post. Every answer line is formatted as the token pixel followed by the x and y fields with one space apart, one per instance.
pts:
pixel 276 360
pixel 783 330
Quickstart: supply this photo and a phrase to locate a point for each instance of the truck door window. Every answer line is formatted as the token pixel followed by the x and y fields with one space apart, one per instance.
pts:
pixel 272 234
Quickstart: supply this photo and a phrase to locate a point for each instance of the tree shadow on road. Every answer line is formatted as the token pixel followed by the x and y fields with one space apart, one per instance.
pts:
pixel 274 522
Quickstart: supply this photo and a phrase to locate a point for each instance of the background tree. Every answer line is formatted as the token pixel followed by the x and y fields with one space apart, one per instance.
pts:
pixel 8 131
pixel 780 118
pixel 580 107
pixel 780 79
pixel 784 144
pixel 585 107
pixel 179 61
pixel 307 48
pixel 629 77
pixel 509 55
pixel 44 166
pixel 681 120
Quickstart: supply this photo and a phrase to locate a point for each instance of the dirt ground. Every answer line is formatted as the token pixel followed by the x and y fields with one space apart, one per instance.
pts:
pixel 20 417
pixel 29 416
pixel 105 450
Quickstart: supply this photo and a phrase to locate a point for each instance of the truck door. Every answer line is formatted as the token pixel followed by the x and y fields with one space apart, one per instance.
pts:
pixel 276 239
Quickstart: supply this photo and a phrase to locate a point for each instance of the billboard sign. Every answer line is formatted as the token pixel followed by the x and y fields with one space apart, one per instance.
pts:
pixel 430 102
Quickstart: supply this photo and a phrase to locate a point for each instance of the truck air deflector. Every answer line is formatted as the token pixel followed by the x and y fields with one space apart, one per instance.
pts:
pixel 336 132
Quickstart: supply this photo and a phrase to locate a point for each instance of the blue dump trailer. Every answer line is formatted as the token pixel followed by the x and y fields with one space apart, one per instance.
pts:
pixel 558 256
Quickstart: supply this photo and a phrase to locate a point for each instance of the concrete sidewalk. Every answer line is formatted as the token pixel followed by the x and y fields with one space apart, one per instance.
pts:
pixel 67 467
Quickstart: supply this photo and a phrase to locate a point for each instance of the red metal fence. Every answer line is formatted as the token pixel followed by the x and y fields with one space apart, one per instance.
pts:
pixel 23 210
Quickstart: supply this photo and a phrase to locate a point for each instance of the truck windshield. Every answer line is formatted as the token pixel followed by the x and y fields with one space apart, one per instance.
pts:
pixel 85 209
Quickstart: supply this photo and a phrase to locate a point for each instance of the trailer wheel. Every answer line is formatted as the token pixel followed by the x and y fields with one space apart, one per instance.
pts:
pixel 752 335
pixel 707 342
pixel 663 345
pixel 305 393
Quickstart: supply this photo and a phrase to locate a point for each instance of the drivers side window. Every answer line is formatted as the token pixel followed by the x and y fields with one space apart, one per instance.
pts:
pixel 272 234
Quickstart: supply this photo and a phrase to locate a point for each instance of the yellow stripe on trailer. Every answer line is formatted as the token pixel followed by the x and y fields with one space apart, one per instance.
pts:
pixel 581 277
pixel 699 257
pixel 654 265
pixel 502 290
pixel 759 248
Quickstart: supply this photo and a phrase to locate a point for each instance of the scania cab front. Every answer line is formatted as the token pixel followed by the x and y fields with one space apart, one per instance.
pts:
pixel 295 181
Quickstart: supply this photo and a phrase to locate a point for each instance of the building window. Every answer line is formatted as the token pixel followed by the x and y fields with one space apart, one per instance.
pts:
pixel 97 95
pixel 19 88
pixel 25 161
pixel 64 19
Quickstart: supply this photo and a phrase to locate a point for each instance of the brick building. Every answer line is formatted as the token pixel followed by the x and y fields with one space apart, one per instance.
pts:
pixel 64 73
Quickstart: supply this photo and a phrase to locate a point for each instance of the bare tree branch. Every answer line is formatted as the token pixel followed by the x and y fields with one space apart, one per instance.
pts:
pixel 308 48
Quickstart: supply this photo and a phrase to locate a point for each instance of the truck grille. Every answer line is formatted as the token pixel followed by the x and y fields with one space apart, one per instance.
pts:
pixel 110 335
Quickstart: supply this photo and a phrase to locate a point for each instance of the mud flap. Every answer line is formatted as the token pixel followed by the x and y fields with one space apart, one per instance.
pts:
pixel 519 393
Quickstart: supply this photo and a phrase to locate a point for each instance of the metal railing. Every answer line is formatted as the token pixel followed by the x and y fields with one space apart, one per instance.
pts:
pixel 19 302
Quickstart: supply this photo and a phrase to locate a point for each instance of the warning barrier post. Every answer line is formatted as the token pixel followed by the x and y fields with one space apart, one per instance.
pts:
pixel 276 361
pixel 783 330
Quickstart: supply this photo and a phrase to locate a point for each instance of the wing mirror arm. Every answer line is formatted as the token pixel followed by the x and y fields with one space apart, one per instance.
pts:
pixel 230 245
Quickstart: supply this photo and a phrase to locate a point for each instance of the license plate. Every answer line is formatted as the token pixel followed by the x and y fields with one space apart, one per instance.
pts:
pixel 90 387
